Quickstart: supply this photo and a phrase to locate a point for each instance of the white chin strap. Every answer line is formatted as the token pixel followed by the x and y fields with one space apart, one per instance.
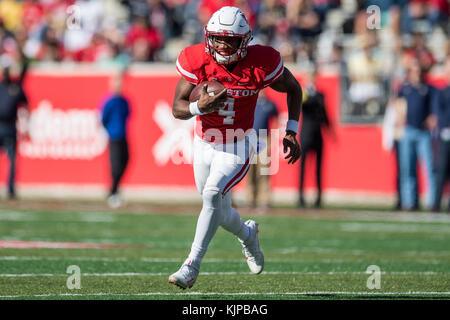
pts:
pixel 226 59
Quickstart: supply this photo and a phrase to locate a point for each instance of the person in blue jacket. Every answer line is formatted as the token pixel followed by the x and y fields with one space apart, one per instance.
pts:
pixel 114 116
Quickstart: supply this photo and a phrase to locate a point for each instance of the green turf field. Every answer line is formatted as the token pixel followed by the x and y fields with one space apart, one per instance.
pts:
pixel 319 255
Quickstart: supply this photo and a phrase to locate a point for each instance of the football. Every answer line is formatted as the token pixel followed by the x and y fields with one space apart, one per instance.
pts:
pixel 214 87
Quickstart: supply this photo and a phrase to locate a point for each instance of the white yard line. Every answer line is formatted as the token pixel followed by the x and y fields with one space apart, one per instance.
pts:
pixel 302 293
pixel 393 227
pixel 132 274
pixel 37 258
pixel 362 216
pixel 70 217
pixel 422 217
pixel 207 260
pixel 34 258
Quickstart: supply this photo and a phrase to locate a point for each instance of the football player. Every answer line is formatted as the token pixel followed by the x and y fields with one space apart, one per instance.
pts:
pixel 223 127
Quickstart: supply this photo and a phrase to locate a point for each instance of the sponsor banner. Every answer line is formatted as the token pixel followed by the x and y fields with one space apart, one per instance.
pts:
pixel 67 143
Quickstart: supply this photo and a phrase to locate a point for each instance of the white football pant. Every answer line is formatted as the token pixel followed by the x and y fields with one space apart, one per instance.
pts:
pixel 217 168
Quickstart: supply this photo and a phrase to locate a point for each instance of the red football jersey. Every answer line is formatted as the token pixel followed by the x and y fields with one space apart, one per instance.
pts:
pixel 261 67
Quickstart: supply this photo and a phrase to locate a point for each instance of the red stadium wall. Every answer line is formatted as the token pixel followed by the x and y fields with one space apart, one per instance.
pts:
pixel 68 146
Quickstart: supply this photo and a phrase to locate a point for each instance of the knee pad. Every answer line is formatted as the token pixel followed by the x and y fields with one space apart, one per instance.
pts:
pixel 211 196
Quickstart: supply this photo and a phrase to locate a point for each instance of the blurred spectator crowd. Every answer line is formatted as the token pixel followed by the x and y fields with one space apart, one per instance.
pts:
pixel 304 31
pixel 368 42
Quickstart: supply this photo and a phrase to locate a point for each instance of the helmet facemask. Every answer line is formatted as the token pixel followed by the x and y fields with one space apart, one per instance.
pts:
pixel 230 55
pixel 229 22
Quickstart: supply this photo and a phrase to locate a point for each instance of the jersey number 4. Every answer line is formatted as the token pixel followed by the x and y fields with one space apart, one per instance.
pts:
pixel 228 111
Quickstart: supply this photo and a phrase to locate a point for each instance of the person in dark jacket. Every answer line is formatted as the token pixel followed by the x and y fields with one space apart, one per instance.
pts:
pixel 441 108
pixel 416 141
pixel 314 118
pixel 12 97
pixel 115 113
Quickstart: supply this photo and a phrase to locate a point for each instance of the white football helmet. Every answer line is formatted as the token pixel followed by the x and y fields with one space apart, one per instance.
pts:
pixel 228 22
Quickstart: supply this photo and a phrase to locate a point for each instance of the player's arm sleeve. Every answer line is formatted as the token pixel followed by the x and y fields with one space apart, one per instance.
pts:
pixel 274 70
pixel 185 69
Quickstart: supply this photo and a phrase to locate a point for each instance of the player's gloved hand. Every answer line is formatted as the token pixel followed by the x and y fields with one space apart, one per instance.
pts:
pixel 208 104
pixel 290 143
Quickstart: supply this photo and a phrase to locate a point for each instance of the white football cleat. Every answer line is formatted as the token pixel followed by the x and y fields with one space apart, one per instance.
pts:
pixel 251 249
pixel 185 277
